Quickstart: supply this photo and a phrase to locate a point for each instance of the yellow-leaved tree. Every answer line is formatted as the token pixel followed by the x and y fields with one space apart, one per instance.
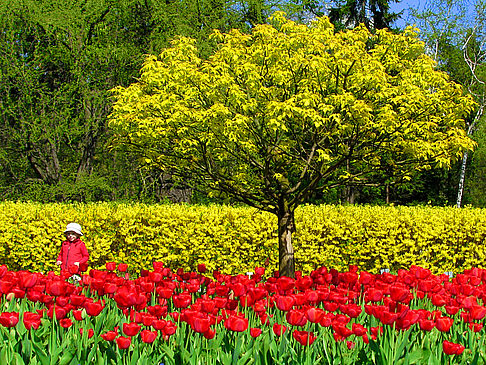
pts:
pixel 271 117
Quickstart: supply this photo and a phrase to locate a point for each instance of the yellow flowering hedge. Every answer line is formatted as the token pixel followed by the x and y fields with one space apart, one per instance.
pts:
pixel 237 239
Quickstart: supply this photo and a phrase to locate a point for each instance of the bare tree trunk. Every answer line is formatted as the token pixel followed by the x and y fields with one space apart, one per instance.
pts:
pixel 286 227
pixel 462 177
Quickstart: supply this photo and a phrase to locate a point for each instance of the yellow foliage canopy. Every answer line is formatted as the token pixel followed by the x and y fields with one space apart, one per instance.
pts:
pixel 287 109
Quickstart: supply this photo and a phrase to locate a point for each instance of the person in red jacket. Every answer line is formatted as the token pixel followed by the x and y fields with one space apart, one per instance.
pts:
pixel 73 250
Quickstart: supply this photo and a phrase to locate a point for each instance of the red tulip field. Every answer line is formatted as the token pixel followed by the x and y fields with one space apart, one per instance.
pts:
pixel 174 317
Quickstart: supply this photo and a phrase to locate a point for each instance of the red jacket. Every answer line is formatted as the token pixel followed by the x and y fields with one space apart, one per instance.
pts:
pixel 72 252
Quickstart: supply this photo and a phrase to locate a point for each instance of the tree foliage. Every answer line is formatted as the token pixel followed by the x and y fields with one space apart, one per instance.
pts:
pixel 456 38
pixel 273 116
pixel 59 60
pixel 374 14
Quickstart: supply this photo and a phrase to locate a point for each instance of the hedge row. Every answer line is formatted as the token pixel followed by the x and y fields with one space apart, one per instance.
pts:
pixel 236 240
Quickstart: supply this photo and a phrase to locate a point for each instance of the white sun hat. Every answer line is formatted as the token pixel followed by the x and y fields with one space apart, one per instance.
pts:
pixel 74 227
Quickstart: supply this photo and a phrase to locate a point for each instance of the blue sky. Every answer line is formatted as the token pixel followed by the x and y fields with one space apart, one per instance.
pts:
pixel 405 5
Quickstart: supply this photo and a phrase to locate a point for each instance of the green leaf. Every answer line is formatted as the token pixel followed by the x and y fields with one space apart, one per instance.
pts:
pixel 41 354
pixel 417 356
pixel 17 360
pixel 4 358
pixel 26 349
pixel 66 357
pixel 237 349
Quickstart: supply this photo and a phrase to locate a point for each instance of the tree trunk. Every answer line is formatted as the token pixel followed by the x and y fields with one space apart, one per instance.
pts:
pixel 87 155
pixel 462 177
pixel 286 227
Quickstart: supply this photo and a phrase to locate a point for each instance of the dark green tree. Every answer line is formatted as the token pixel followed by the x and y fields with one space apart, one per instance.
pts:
pixel 374 14
pixel 59 60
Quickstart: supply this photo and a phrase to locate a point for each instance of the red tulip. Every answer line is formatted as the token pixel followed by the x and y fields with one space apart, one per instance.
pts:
pixel 201 268
pixel 469 302
pixel 451 310
pixel 475 327
pixel 131 329
pixel 331 306
pixel 158 324
pixel 326 319
pixel 158 266
pixel 438 300
pixel 169 328
pixel 399 293
pixel 164 292
pixel 123 342
pixel 31 320
pixel 182 300
pixel 375 331
pixel 26 279
pixel 77 300
pixel 125 297
pixel 157 310
pixel 110 288
pixel 155 276
pixel 365 278
pixel 279 329
pixel 56 287
pixel 209 334
pixel 60 312
pixel 9 319
pixel 342 330
pixel 148 336
pixel 3 270
pixel 477 312
pixel 304 283
pixel 109 336
pixel 122 267
pixel 426 324
pixel 352 310
pixel 451 348
pixel 296 317
pixel 93 308
pixel 314 314
pixel 66 322
pixel 201 325
pixel 255 332
pixel 284 303
pixel 235 323
pixel 285 283
pixel 111 266
pixel 259 271
pixel 373 295
pixel 358 329
pixel 444 324
pixel 304 337
pixel 78 314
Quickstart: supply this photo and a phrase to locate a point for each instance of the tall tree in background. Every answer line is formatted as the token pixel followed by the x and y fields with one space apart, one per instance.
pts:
pixel 274 116
pixel 59 60
pixel 374 14
pixel 456 39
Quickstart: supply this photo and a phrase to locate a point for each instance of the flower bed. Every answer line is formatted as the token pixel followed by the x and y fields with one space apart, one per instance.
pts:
pixel 174 317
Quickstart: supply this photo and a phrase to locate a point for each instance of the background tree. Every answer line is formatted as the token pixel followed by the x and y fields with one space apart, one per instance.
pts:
pixel 374 14
pixel 59 60
pixel 456 38
pixel 273 116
